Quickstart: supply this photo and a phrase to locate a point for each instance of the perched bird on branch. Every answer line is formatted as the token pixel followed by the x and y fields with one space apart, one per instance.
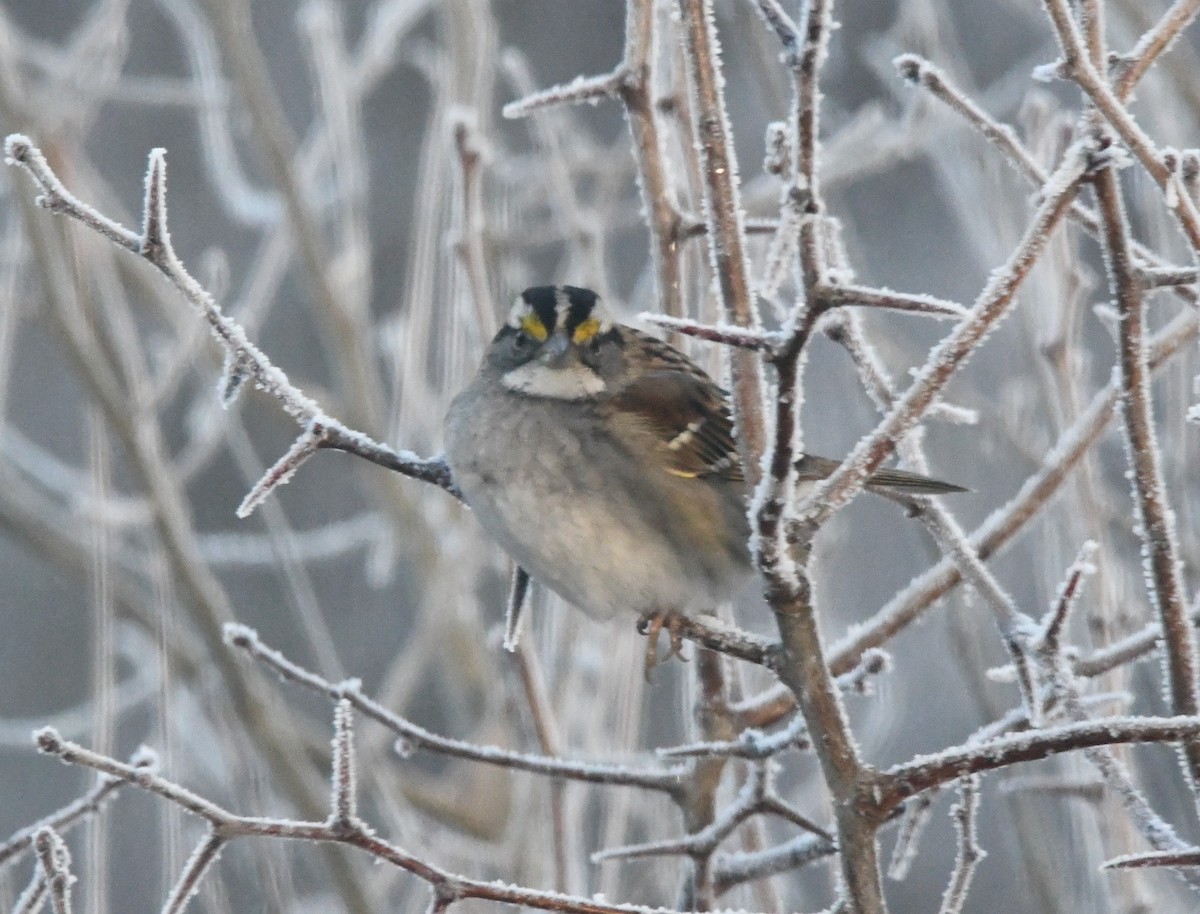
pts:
pixel 602 459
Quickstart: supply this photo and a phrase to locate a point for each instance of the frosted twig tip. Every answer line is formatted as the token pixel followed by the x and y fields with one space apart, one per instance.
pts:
pixel 909 66
pixel 154 210
pixel 239 635
pixel 48 741
pixel 145 758
pixel 43 841
pixel 17 147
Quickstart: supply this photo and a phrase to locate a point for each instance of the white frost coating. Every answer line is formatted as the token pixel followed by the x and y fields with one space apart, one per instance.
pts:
pixel 282 471
pixel 234 632
pixel 1172 191
pixel 154 244
pixel 993 303
pixel 1047 72
pixel 590 89
pixel 344 773
pixel 145 757
pixel 936 306
pixel 19 150
pixel 718 244
pixel 731 334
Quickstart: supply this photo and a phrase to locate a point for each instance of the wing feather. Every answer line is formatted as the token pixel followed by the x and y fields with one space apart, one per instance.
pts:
pixel 689 417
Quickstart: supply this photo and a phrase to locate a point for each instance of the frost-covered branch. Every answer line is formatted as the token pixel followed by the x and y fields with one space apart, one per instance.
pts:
pixel 633 82
pixel 757 797
pixel 414 736
pixel 154 245
pixel 782 559
pixel 55 862
pixel 947 357
pixel 727 335
pixel 226 826
pixel 1081 69
pixel 1156 524
pixel 919 71
pixel 724 215
pixel 1154 42
pixel 865 296
pixel 970 854
pixel 907 780
pixel 90 804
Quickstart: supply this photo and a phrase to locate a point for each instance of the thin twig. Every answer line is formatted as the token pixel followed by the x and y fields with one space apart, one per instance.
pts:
pixel 1156 525
pixel 665 779
pixel 227 826
pixel 902 781
pixel 947 357
pixel 63 819
pixel 55 862
pixel 157 249
pixel 970 854
pixel 723 213
pixel 1081 69
pixel 865 296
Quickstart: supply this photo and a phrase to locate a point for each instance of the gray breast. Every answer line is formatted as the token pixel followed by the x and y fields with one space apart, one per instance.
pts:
pixel 561 496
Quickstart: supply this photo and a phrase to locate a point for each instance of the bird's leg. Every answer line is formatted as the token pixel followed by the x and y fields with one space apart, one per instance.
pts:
pixel 650 624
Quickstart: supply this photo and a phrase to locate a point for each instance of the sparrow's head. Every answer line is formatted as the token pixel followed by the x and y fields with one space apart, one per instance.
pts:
pixel 558 342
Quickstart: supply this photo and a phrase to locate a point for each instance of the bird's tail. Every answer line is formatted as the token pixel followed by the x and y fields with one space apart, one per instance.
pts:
pixel 812 467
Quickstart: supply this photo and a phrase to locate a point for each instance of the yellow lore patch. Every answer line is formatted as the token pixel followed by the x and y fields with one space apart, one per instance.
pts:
pixel 532 324
pixel 585 331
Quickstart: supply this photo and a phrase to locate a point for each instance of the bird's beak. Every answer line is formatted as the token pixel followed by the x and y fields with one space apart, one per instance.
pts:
pixel 556 350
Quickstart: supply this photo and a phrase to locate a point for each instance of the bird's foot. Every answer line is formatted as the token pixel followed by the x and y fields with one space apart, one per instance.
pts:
pixel 650 625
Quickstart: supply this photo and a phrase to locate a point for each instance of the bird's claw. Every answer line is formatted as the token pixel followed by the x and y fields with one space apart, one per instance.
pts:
pixel 650 625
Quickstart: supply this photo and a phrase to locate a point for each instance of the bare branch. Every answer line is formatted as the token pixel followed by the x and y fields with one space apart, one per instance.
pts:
pixel 865 296
pixel 1152 44
pixel 903 781
pixel 727 335
pixel 231 336
pixel 1110 105
pixel 723 213
pixel 64 819
pixel 920 71
pixel 1049 641
pixel 580 89
pixel 948 356
pixel 204 856
pixel 227 826
pixel 285 467
pixel 55 862
pixel 970 854
pixel 1156 520
pixel 665 779
pixel 344 806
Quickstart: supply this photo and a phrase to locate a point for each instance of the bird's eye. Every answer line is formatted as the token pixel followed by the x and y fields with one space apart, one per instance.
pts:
pixel 594 345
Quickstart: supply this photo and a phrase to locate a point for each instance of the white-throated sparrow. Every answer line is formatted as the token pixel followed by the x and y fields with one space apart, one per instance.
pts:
pixel 603 461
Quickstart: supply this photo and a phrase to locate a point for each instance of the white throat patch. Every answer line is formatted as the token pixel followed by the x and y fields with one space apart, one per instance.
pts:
pixel 576 382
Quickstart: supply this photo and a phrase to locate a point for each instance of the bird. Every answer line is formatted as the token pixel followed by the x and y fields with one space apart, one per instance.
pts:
pixel 603 461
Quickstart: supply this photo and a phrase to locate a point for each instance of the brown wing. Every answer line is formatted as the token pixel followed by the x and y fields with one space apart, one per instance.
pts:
pixel 689 416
